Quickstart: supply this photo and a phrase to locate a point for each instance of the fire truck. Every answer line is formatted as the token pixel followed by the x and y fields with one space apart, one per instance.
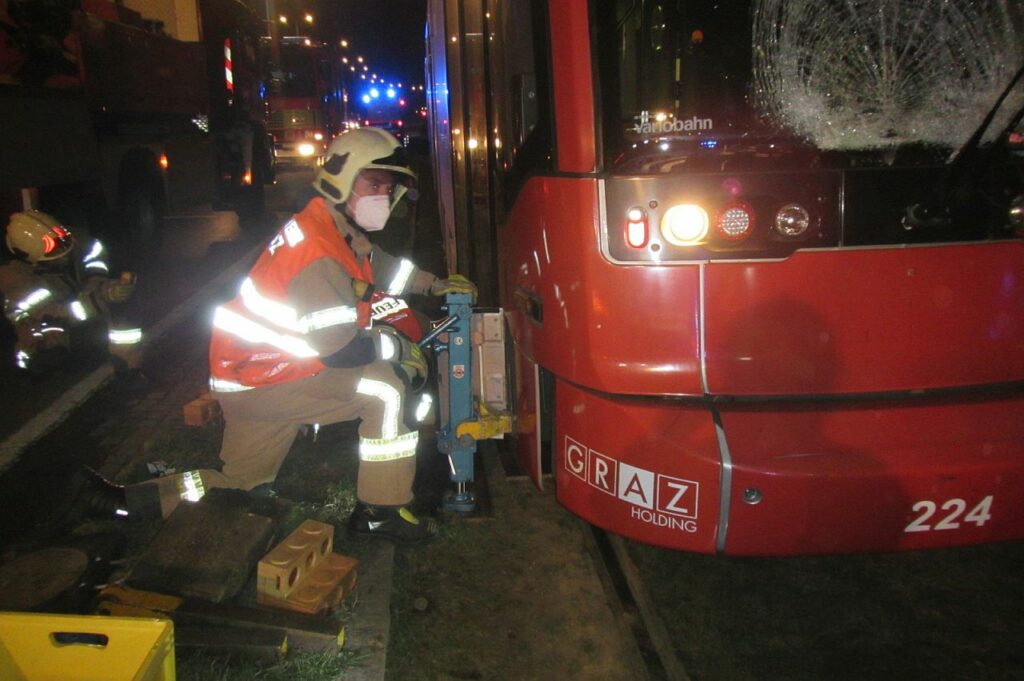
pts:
pixel 115 119
pixel 306 101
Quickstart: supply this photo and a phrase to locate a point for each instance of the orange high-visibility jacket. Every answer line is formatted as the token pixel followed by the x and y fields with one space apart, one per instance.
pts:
pixel 257 339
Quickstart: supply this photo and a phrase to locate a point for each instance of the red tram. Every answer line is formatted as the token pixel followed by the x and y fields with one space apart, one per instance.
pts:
pixel 762 269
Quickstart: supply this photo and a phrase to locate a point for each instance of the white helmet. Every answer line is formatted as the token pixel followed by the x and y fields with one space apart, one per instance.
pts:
pixel 38 237
pixel 354 151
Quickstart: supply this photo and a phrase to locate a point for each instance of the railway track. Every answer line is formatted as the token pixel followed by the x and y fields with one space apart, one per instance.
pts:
pixel 639 617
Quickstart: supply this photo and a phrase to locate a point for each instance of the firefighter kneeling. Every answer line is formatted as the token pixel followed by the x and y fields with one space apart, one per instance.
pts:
pixel 57 296
pixel 296 347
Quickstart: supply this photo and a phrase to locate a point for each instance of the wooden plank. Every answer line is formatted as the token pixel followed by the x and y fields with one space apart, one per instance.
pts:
pixel 305 632
pixel 203 551
pixel 262 644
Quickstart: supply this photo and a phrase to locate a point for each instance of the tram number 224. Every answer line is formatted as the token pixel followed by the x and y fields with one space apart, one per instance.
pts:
pixel 949 514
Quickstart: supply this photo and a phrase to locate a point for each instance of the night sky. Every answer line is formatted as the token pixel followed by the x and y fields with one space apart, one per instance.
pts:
pixel 388 33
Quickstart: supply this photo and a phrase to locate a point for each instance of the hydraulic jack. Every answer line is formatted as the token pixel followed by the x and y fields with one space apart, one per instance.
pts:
pixel 469 347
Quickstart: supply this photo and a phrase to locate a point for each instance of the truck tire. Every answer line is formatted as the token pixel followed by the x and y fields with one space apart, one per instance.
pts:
pixel 252 203
pixel 141 208
pixel 142 224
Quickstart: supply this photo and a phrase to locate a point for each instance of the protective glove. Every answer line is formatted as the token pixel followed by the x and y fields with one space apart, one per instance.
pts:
pixel 120 290
pixel 454 284
pixel 393 346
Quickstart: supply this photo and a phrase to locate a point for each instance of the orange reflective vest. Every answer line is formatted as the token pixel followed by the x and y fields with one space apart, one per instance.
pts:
pixel 258 338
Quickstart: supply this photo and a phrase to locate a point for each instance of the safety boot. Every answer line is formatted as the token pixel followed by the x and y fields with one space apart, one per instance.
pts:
pixel 88 496
pixel 94 497
pixel 389 522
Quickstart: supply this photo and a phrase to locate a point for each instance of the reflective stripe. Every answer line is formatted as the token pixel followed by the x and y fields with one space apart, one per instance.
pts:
pixel 223 386
pixel 271 310
pixel 190 486
pixel 251 332
pixel 125 336
pixel 387 347
pixel 423 408
pixel 94 252
pixel 22 358
pixel 332 316
pixel 22 309
pixel 293 233
pixel 397 285
pixel 90 261
pixel 383 449
pixel 284 315
pixel 392 400
pixel 78 311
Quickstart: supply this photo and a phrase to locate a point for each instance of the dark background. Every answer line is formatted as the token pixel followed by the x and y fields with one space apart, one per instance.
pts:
pixel 387 33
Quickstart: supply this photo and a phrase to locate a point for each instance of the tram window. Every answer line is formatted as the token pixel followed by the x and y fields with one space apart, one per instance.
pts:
pixel 680 61
pixel 524 111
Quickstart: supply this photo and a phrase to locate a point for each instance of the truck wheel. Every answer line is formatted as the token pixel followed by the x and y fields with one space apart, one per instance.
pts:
pixel 142 223
pixel 252 199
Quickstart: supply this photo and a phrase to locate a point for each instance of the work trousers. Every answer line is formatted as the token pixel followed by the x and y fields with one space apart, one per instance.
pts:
pixel 260 426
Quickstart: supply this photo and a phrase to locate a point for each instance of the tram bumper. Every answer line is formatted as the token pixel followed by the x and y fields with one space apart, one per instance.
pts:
pixel 786 479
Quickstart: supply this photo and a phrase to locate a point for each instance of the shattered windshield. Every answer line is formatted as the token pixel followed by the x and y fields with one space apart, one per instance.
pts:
pixel 685 85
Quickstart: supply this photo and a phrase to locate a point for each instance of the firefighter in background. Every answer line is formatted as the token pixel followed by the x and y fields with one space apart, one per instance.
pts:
pixel 56 294
pixel 297 346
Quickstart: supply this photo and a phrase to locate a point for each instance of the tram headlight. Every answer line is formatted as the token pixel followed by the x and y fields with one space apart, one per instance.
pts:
pixel 685 224
pixel 792 220
pixel 306 149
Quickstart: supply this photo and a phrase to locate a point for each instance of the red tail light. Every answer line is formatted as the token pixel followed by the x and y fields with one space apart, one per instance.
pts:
pixel 636 228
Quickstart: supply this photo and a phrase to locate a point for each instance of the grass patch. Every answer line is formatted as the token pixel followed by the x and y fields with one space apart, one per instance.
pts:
pixel 295 667
pixel 950 614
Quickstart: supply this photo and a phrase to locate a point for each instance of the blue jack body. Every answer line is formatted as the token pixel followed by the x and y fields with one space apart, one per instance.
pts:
pixel 454 352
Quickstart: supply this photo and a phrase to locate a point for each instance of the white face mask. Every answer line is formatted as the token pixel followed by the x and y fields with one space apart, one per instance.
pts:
pixel 371 212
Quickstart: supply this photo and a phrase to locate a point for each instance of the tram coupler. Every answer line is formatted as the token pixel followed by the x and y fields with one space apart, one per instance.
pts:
pixel 468 347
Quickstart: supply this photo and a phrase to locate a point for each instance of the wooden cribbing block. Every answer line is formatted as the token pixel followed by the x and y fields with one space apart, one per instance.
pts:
pixel 201 410
pixel 320 591
pixel 291 561
pixel 203 550
pixel 303 632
